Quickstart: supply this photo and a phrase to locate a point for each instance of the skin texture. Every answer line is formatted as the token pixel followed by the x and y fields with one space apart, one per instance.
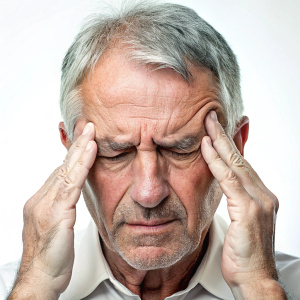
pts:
pixel 149 182
pixel 149 187
pixel 153 206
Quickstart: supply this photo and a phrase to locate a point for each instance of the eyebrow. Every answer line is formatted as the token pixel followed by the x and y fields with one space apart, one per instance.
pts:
pixel 106 145
pixel 185 144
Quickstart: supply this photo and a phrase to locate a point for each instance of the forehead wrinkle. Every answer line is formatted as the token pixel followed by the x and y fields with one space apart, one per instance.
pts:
pixel 140 98
pixel 191 115
pixel 149 118
pixel 185 143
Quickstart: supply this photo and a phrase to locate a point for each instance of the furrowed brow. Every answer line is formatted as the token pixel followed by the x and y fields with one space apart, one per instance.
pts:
pixel 105 145
pixel 186 144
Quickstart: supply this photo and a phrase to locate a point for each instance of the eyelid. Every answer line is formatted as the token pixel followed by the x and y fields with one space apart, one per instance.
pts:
pixel 174 152
pixel 118 156
pixel 182 150
pixel 179 154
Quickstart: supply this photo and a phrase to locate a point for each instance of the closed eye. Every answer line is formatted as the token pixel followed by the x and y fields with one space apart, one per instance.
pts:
pixel 175 154
pixel 117 157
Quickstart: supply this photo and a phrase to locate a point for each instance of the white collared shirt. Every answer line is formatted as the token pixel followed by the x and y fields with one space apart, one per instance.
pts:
pixel 92 278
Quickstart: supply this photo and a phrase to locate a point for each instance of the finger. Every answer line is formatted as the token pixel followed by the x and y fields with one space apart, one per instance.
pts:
pixel 227 150
pixel 230 155
pixel 262 186
pixel 67 187
pixel 78 147
pixel 227 179
pixel 72 157
pixel 78 174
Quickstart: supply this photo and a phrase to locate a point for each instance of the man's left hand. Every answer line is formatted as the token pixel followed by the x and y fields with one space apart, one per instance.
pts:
pixel 248 263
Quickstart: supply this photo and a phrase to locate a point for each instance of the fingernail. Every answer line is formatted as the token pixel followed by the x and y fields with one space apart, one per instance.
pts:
pixel 86 129
pixel 213 115
pixel 89 145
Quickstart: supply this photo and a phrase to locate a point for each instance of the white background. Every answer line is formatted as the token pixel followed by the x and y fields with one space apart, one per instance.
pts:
pixel 34 36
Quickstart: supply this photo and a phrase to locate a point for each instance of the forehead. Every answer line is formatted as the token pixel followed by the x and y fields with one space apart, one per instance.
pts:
pixel 122 96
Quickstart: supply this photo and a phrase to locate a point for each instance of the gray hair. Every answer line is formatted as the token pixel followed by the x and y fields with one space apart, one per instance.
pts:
pixel 164 35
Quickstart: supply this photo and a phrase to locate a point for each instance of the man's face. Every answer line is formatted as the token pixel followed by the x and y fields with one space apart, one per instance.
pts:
pixel 149 191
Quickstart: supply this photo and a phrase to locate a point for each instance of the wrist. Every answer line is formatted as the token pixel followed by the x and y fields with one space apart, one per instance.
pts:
pixel 25 292
pixel 34 285
pixel 269 288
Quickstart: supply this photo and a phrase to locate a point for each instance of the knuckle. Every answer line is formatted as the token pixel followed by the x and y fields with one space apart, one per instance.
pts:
pixel 236 159
pixel 216 160
pixel 221 138
pixel 29 205
pixel 223 134
pixel 67 157
pixel 27 208
pixel 68 181
pixel 78 144
pixel 231 177
pixel 80 163
pixel 62 171
pixel 271 204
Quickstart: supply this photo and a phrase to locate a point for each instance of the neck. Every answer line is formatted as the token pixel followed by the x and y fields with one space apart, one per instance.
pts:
pixel 160 283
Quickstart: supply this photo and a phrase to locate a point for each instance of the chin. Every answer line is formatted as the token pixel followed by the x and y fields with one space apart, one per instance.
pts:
pixel 153 258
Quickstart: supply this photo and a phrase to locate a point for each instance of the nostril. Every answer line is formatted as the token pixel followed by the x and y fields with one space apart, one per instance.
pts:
pixel 149 193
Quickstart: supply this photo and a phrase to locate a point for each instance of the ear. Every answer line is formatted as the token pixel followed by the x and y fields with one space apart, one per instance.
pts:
pixel 63 135
pixel 241 134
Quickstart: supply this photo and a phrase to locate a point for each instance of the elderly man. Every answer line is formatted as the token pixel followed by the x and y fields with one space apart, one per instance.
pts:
pixel 155 135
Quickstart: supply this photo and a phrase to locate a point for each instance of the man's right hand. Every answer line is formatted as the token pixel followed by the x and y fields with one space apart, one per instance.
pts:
pixel 49 219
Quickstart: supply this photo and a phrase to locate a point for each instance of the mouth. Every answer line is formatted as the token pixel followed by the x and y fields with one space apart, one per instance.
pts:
pixel 151 225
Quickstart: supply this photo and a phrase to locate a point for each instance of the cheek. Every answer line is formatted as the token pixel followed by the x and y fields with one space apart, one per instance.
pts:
pixel 108 190
pixel 191 185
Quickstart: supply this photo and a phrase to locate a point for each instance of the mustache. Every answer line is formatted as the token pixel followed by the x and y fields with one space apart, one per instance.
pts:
pixel 168 209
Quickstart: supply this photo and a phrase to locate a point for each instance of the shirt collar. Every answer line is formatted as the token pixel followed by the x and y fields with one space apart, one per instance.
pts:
pixel 90 267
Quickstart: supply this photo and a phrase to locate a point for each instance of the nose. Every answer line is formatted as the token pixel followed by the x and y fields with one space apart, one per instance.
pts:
pixel 149 187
